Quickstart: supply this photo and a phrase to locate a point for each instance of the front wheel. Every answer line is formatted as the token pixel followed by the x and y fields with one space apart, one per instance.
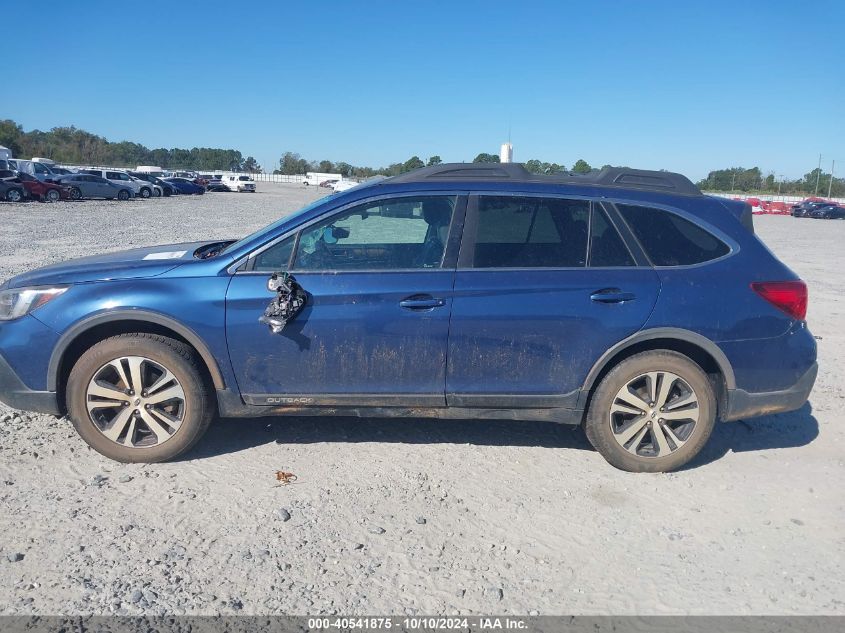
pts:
pixel 653 412
pixel 14 195
pixel 52 195
pixel 139 398
pixel 145 192
pixel 75 194
pixel 123 194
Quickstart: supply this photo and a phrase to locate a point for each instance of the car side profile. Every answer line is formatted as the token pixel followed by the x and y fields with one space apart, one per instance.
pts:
pixel 185 186
pixel 624 301
pixel 85 185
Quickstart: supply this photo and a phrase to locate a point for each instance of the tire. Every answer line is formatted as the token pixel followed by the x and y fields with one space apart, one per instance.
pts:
pixel 123 194
pixel 610 421
pixel 51 195
pixel 14 195
pixel 157 193
pixel 145 192
pixel 181 421
pixel 75 194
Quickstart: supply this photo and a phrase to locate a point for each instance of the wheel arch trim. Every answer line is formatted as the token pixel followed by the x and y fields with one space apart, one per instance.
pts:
pixel 678 334
pixel 113 316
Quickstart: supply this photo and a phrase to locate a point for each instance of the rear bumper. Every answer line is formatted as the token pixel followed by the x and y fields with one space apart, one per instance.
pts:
pixel 17 395
pixel 742 404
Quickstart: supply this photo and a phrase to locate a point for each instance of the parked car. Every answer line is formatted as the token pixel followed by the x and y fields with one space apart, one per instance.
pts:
pixel 140 188
pixel 216 185
pixel 328 184
pixel 59 171
pixel 162 188
pixel 12 191
pixel 183 185
pixel 238 183
pixel 828 212
pixel 44 191
pixel 8 174
pixel 806 208
pixel 85 185
pixel 625 301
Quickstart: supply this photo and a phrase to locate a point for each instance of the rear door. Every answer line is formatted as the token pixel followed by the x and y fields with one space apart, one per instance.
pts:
pixel 374 330
pixel 544 286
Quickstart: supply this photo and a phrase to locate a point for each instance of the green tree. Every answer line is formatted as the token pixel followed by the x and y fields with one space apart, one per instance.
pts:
pixel 326 167
pixel 484 157
pixel 434 160
pixel 10 136
pixel 251 165
pixel 581 166
pixel 414 162
pixel 344 169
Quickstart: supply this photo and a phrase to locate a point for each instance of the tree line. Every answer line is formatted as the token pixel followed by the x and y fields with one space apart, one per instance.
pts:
pixel 72 146
pixel 742 180
pixel 292 163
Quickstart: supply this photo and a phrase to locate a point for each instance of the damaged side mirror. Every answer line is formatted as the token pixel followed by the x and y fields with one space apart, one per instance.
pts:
pixel 289 300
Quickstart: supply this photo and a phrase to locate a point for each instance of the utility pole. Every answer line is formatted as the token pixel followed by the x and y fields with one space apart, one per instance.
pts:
pixel 830 184
pixel 818 173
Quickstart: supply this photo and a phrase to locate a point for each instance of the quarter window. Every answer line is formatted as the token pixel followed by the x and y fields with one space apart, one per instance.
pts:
pixel 388 234
pixel 528 232
pixel 670 240
pixel 277 257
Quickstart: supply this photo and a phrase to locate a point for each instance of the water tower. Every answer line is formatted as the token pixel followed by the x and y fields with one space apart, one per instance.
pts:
pixel 506 153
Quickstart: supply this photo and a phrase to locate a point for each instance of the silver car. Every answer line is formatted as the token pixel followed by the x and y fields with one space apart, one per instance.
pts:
pixel 90 186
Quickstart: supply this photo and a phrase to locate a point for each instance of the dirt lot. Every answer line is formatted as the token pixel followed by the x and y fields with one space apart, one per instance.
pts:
pixel 412 516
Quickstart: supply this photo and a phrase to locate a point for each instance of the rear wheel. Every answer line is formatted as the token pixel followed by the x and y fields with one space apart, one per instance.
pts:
pixel 145 192
pixel 14 195
pixel 139 398
pixel 123 194
pixel 652 413
pixel 75 193
pixel 157 193
pixel 52 195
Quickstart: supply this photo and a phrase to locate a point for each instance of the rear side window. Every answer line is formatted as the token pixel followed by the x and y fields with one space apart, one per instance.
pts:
pixel 606 246
pixel 528 232
pixel 670 240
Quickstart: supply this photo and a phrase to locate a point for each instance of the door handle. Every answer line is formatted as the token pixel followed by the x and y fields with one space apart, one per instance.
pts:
pixel 422 302
pixel 612 295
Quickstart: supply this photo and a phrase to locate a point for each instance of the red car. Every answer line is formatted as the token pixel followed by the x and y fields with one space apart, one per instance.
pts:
pixel 44 191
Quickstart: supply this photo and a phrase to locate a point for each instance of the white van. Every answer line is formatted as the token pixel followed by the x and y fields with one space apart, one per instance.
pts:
pixel 233 182
pixel 39 170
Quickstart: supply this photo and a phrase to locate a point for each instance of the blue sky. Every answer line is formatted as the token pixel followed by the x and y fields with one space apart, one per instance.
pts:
pixel 686 86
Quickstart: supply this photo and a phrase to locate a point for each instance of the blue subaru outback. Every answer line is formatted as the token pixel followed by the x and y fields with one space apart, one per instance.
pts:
pixel 622 300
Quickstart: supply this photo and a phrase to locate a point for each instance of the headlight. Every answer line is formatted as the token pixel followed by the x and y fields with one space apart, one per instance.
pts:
pixel 17 302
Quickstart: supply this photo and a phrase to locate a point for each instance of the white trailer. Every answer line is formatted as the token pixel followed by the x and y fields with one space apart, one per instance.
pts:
pixel 315 179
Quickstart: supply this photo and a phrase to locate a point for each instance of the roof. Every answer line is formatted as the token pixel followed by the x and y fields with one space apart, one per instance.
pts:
pixel 622 177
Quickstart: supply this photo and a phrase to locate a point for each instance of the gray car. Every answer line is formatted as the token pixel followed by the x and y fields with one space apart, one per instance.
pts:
pixel 89 186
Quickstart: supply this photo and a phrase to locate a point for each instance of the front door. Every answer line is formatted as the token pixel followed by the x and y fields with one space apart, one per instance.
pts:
pixel 374 329
pixel 544 286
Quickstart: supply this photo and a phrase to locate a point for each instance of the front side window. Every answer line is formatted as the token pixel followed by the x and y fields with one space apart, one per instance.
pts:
pixel 670 240
pixel 529 232
pixel 112 175
pixel 390 234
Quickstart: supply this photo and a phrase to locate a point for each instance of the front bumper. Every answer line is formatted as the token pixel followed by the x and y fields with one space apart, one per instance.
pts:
pixel 742 404
pixel 17 395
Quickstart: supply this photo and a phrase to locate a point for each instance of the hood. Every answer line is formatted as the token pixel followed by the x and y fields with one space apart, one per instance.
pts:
pixel 138 263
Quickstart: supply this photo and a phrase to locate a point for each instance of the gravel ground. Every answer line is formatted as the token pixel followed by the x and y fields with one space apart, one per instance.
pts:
pixel 417 516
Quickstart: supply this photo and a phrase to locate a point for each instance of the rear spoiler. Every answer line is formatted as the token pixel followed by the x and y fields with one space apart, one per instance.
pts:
pixel 741 210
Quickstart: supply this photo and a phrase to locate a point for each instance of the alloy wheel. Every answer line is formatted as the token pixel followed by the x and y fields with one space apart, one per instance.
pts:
pixel 654 414
pixel 135 402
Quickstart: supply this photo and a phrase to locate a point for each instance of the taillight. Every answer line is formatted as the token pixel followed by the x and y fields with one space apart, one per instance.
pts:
pixel 789 296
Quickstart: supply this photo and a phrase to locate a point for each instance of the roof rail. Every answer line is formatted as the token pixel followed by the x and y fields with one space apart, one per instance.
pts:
pixel 621 177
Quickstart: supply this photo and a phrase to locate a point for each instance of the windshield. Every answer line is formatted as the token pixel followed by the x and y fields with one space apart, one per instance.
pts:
pixel 271 227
